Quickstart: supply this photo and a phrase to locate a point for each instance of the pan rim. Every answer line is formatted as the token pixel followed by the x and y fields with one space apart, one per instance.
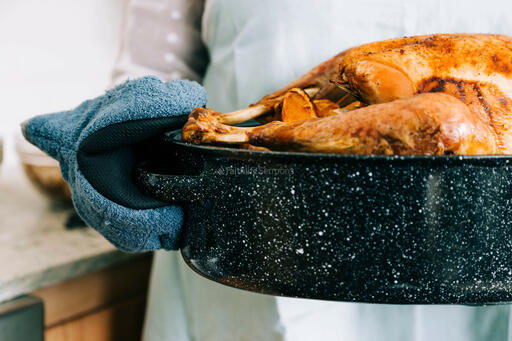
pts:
pixel 174 137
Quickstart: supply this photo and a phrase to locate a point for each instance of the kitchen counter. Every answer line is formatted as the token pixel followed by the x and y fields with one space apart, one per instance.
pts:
pixel 35 248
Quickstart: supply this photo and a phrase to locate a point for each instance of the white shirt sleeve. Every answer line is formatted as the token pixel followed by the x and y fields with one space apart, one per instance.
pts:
pixel 161 38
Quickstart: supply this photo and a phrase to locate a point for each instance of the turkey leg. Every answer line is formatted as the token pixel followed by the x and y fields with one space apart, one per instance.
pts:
pixel 428 124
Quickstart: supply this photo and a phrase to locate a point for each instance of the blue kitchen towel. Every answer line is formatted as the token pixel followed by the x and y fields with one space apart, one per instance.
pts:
pixel 95 144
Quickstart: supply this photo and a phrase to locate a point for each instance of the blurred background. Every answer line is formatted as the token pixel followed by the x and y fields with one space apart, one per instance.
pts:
pixel 53 55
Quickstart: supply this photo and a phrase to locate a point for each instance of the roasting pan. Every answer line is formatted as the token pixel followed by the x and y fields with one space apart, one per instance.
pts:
pixel 380 229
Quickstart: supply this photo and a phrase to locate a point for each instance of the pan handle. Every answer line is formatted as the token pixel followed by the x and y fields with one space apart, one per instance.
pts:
pixel 176 189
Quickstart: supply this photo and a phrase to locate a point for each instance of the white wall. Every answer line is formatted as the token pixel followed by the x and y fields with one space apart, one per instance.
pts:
pixel 53 55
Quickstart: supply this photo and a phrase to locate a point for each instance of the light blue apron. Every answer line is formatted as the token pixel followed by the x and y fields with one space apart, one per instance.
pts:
pixel 257 47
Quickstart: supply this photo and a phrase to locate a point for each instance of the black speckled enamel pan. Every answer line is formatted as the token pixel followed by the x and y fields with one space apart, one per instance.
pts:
pixel 396 230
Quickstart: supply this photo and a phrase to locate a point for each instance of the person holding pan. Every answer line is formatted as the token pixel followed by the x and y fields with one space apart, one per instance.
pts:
pixel 240 51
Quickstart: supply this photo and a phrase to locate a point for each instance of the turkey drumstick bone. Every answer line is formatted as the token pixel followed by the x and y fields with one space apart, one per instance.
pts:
pixel 255 110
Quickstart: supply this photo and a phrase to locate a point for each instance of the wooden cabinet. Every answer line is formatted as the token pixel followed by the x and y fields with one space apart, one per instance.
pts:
pixel 106 305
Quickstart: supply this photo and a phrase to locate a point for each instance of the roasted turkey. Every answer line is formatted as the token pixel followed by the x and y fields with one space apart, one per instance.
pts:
pixel 373 99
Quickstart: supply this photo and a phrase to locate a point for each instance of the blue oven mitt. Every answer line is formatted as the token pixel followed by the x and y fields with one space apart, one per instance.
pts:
pixel 95 144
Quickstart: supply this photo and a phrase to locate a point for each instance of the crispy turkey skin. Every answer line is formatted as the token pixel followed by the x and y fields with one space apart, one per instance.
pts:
pixel 475 68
